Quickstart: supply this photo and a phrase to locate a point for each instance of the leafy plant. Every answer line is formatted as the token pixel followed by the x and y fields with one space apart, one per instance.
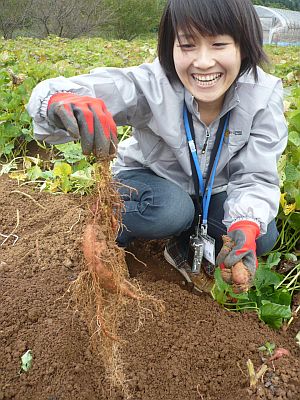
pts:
pixel 27 61
pixel 268 348
pixel 291 182
pixel 288 219
pixel 270 296
pixel 70 171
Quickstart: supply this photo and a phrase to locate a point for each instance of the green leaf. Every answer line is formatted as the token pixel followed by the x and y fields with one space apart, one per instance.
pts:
pixel 290 257
pixel 274 314
pixel 280 296
pixel 297 199
pixel 294 221
pixel 62 169
pixel 83 175
pixel 81 165
pixel 265 277
pixel 34 173
pixel 294 137
pixel 273 259
pixel 292 173
pixel 48 175
pixel 268 346
pixel 220 288
pixel 295 120
pixel 26 361
pixel 72 151
pixel 66 185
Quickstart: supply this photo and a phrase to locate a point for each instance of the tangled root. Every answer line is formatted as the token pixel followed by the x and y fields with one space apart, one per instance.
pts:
pixel 102 292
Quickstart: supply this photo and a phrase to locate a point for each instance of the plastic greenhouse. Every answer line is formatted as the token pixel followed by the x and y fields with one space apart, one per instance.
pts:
pixel 280 26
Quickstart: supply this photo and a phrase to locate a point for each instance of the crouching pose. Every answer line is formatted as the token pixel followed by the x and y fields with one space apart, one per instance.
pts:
pixel 208 129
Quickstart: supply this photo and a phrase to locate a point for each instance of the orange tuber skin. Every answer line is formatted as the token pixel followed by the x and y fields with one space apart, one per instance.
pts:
pixel 94 245
pixel 226 275
pixel 280 352
pixel 238 275
pixel 241 278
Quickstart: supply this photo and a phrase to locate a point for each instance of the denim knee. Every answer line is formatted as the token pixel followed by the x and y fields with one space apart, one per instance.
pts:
pixel 170 218
pixel 148 219
pixel 266 242
pixel 154 208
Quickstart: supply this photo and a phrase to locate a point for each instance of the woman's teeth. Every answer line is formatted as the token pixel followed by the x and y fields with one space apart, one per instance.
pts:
pixel 206 80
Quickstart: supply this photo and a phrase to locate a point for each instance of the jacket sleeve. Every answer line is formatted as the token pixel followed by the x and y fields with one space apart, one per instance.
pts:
pixel 122 90
pixel 253 189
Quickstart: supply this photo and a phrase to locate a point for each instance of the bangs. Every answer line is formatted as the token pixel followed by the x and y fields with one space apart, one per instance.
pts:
pixel 236 18
pixel 211 19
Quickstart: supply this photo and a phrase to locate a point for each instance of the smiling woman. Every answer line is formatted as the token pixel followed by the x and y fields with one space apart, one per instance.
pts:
pixel 208 129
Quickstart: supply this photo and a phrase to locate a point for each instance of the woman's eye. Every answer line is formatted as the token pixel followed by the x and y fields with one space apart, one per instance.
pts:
pixel 185 45
pixel 219 44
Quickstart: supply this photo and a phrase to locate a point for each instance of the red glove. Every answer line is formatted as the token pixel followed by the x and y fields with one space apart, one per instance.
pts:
pixel 239 245
pixel 86 118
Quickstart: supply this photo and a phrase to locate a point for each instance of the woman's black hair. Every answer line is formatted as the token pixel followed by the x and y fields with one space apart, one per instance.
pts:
pixel 236 18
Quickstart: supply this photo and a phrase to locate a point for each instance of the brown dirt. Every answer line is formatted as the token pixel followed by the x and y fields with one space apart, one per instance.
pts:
pixel 195 350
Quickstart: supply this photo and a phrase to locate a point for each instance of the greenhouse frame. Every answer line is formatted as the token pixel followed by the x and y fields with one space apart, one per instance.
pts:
pixel 280 26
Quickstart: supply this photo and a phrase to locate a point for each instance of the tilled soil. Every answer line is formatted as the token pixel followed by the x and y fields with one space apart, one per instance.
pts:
pixel 194 350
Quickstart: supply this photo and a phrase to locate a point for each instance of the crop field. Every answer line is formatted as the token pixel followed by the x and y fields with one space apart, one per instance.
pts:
pixel 63 335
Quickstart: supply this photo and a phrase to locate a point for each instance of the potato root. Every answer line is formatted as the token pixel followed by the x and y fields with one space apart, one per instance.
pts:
pixel 238 275
pixel 102 290
pixel 94 252
pixel 226 275
pixel 280 352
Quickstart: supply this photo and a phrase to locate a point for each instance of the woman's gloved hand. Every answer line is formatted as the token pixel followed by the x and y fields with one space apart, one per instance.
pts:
pixel 237 258
pixel 85 118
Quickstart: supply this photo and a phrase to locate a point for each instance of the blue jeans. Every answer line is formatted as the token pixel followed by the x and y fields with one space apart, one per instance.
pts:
pixel 156 209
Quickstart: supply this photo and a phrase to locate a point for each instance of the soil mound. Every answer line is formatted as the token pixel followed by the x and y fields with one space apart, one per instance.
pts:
pixel 194 350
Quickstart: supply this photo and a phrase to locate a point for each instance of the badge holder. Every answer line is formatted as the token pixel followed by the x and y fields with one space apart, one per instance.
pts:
pixel 196 249
pixel 200 245
pixel 195 254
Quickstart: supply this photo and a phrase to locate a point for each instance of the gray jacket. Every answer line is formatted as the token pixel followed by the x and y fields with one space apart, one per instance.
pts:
pixel 144 98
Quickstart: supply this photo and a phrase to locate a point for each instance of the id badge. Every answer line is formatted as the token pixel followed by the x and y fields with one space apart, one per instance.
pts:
pixel 209 249
pixel 195 254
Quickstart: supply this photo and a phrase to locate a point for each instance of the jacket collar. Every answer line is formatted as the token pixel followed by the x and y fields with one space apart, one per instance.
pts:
pixel 231 101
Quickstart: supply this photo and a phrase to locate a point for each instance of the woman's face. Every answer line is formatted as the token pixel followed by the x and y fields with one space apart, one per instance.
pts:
pixel 207 66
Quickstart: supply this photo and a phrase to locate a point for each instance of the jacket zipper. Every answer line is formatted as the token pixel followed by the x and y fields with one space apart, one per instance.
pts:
pixel 207 135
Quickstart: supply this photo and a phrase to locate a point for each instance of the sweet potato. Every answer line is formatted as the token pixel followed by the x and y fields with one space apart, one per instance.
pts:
pixel 94 248
pixel 240 274
pixel 241 278
pixel 226 275
pixel 280 352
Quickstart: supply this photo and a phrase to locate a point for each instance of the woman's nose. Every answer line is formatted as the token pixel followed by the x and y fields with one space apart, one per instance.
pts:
pixel 204 59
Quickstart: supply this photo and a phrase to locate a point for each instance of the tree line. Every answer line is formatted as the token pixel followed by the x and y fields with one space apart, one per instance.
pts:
pixel 120 19
pixel 73 18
